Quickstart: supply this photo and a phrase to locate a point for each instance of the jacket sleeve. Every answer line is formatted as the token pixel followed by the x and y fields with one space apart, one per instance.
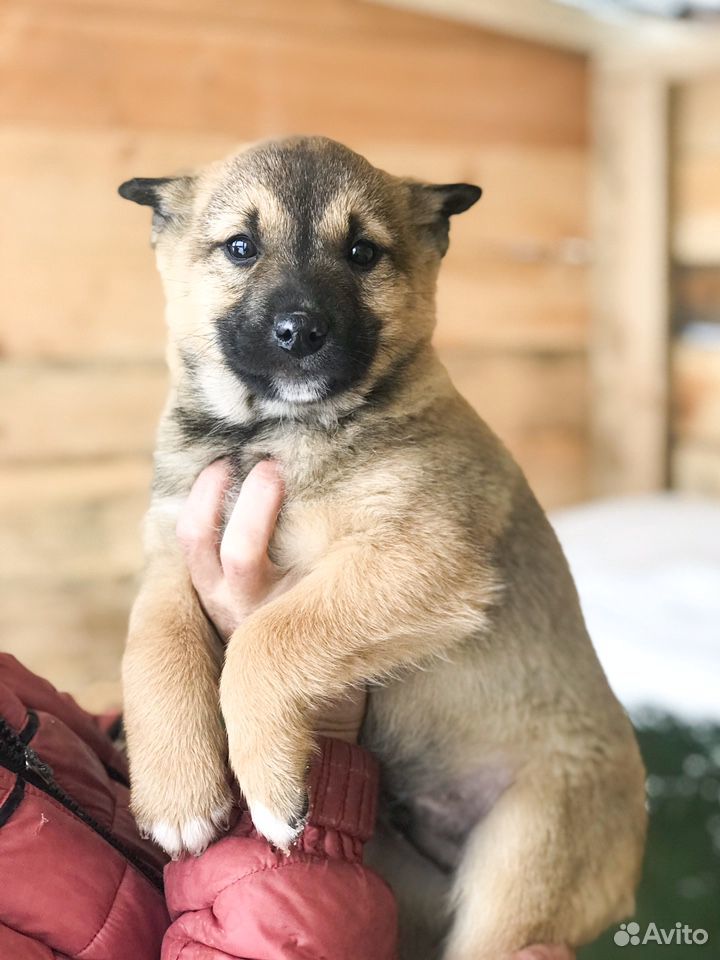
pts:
pixel 244 900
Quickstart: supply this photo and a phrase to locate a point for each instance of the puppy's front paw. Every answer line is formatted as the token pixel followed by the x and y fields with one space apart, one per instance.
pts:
pixel 281 831
pixel 270 738
pixel 270 761
pixel 182 809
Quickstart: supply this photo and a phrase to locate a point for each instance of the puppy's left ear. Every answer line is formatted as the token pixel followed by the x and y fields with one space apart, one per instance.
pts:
pixel 434 204
pixel 169 197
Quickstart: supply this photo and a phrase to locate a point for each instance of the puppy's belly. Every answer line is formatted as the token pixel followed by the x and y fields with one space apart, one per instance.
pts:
pixel 449 748
pixel 438 820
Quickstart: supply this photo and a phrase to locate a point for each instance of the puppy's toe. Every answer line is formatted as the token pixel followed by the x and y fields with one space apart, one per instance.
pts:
pixel 166 835
pixel 281 832
pixel 193 835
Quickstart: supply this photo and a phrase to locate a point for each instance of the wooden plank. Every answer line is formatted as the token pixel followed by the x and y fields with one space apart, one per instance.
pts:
pixel 114 69
pixel 686 52
pixel 556 461
pixel 537 404
pixel 84 285
pixel 696 394
pixel 520 392
pixel 696 171
pixel 666 47
pixel 72 522
pixel 628 345
pixel 695 455
pixel 696 228
pixel 534 197
pixel 500 303
pixel 71 634
pixel 57 413
pixel 337 17
pixel 696 292
pixel 64 414
pixel 537 20
pixel 514 272
pixel 696 121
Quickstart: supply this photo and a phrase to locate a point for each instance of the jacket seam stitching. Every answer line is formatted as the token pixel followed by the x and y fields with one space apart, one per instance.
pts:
pixel 102 926
pixel 308 858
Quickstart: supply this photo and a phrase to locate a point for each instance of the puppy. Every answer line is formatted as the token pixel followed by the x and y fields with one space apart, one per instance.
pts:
pixel 300 286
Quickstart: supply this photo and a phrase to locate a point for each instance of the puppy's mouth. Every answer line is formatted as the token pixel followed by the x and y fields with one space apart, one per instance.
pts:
pixel 289 386
pixel 292 390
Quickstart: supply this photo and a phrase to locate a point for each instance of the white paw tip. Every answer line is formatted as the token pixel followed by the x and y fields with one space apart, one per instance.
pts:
pixel 279 832
pixel 194 835
pixel 167 836
pixel 197 833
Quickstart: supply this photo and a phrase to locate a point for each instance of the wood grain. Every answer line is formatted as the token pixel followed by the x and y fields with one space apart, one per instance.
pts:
pixel 696 393
pixel 629 338
pixel 258 74
pixel 696 177
pixel 72 635
pixel 695 424
pixel 72 411
pixel 74 522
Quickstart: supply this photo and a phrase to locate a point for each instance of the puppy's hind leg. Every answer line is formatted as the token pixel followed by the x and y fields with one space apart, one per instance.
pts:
pixel 556 861
pixel 176 743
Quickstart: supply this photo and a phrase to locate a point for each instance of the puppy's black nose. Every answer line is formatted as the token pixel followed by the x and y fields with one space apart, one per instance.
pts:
pixel 300 333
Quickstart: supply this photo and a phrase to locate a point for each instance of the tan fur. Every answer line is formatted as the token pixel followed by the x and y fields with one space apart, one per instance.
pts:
pixel 174 685
pixel 424 565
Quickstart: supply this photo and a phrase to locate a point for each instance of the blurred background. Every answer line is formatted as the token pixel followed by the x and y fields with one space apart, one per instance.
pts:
pixel 579 309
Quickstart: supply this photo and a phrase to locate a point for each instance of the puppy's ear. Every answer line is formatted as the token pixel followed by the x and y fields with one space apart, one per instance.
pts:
pixel 169 197
pixel 434 204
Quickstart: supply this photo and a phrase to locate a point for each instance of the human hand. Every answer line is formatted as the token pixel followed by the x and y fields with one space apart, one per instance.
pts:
pixel 234 575
pixel 556 951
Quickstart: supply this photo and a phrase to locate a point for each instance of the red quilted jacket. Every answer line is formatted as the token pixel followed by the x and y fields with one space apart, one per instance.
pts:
pixel 76 881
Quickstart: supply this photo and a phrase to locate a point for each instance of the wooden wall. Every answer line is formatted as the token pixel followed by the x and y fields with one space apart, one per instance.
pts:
pixel 695 242
pixel 95 91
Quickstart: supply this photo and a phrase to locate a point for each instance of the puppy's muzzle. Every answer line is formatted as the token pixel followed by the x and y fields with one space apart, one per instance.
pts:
pixel 300 333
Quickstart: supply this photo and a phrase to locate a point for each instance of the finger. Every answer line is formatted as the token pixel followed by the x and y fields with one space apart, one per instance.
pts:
pixel 343 718
pixel 199 523
pixel 244 547
pixel 555 951
pixel 350 707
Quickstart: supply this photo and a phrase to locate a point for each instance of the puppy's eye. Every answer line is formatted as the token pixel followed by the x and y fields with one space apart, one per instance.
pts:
pixel 240 248
pixel 363 253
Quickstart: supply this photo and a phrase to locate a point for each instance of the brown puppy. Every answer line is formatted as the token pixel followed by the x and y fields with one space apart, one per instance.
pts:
pixel 300 286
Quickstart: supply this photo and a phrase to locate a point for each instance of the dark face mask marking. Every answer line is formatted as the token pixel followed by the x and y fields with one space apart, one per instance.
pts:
pixel 302 329
pixel 319 338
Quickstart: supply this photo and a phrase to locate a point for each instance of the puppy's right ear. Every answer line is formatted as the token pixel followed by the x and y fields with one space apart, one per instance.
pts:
pixel 169 197
pixel 434 203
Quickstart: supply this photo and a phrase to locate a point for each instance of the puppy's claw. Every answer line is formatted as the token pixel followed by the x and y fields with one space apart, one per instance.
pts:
pixel 281 833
